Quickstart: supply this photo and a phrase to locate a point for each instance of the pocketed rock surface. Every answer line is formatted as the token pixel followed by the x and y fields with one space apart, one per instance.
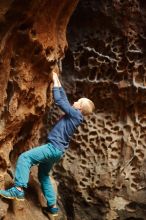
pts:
pixel 102 176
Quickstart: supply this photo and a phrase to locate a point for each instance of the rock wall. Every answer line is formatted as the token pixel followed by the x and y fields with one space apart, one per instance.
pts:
pixel 32 40
pixel 102 175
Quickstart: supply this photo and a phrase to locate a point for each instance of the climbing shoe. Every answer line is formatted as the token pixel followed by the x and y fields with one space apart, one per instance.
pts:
pixel 50 210
pixel 12 193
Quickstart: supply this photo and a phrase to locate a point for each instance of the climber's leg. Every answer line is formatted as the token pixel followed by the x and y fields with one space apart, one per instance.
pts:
pixel 26 160
pixel 46 185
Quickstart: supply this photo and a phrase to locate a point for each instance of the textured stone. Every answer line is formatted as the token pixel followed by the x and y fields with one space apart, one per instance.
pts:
pixel 102 176
pixel 3 209
pixel 32 41
pixel 106 62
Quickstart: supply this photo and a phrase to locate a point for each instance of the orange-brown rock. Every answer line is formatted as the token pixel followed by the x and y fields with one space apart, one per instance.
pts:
pixel 102 176
pixel 32 41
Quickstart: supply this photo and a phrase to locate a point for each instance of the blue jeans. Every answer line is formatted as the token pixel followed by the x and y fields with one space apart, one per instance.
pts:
pixel 44 156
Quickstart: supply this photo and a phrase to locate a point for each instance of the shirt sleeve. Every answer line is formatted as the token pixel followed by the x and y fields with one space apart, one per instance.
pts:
pixel 63 94
pixel 63 102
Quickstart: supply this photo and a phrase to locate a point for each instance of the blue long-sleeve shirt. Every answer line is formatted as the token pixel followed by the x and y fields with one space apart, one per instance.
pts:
pixel 61 133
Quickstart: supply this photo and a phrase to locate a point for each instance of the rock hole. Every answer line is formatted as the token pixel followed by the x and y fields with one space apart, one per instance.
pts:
pixel 92 74
pixel 3 164
pixel 38 49
pixel 49 50
pixel 114 156
pixel 109 139
pixel 10 91
pixel 25 26
pixel 33 33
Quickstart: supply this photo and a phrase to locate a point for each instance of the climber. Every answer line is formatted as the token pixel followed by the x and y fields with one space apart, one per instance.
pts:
pixel 48 154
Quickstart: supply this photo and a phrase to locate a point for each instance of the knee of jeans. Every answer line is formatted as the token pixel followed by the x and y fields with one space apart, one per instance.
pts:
pixel 22 157
pixel 41 177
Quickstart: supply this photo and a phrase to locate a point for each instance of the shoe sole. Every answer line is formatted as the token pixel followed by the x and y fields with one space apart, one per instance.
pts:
pixel 54 215
pixel 50 214
pixel 12 198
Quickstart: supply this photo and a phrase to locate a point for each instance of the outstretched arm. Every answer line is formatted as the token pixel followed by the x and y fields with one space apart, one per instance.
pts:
pixel 60 97
pixel 57 83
